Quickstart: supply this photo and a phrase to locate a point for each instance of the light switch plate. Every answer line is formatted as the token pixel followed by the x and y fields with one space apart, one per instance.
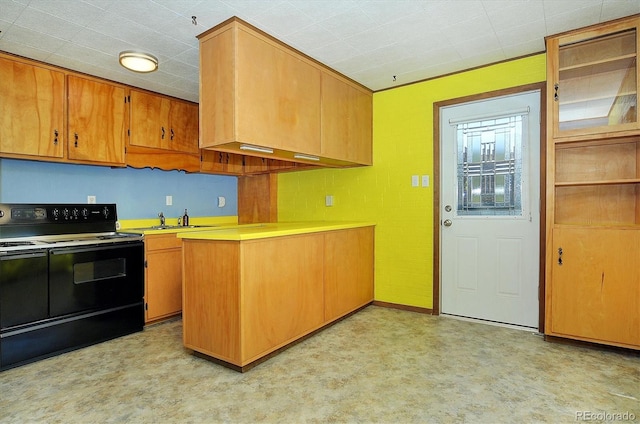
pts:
pixel 415 182
pixel 169 200
pixel 425 181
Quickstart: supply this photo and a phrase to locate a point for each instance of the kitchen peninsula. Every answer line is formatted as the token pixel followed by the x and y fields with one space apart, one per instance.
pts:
pixel 251 290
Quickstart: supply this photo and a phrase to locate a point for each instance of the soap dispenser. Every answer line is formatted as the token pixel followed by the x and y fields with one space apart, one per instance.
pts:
pixel 185 219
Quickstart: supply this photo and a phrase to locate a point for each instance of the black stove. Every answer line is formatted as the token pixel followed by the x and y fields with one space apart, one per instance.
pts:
pixel 24 226
pixel 68 279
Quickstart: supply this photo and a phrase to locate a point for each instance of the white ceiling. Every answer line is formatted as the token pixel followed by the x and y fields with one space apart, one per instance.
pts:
pixel 370 41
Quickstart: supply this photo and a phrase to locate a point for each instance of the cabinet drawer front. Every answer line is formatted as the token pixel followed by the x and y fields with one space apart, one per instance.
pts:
pixel 157 242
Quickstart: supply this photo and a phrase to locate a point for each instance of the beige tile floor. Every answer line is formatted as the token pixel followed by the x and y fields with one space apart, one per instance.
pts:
pixel 380 365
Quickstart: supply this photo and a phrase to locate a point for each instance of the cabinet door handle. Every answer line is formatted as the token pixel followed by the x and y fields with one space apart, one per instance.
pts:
pixel 162 133
pixel 55 137
pixel 75 138
pixel 559 255
pixel 172 134
pixel 555 92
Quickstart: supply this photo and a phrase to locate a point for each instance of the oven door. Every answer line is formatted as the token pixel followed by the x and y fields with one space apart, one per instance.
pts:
pixel 95 277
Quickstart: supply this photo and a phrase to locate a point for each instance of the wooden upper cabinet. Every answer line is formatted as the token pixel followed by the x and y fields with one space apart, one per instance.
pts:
pixel 163 132
pixel 31 110
pixel 213 162
pixel 255 91
pixel 163 123
pixel 149 120
pixel 592 80
pixel 183 120
pixel 347 112
pixel 277 96
pixel 260 97
pixel 96 121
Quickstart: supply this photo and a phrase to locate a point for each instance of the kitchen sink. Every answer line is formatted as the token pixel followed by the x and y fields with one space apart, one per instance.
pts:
pixel 171 227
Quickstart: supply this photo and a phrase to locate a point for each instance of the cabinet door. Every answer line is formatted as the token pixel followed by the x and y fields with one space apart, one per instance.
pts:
pixel 163 278
pixel 96 121
pixel 346 121
pixel 595 291
pixel 277 97
pixel 281 300
pixel 183 127
pixel 348 271
pixel 31 110
pixel 214 162
pixel 593 80
pixel 149 120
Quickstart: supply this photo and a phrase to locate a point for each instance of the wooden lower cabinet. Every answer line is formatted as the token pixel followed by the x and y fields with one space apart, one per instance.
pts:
pixel 243 300
pixel 595 295
pixel 348 271
pixel 163 276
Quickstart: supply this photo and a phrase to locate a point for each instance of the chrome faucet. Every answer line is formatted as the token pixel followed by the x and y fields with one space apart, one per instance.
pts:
pixel 161 216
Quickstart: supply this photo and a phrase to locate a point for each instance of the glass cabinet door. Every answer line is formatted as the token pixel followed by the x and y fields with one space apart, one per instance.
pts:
pixel 596 84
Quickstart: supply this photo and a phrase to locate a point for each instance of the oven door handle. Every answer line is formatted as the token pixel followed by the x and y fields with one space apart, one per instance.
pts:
pixel 25 255
pixel 92 248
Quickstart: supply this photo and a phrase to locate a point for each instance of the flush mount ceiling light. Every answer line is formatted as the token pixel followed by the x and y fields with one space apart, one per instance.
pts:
pixel 138 61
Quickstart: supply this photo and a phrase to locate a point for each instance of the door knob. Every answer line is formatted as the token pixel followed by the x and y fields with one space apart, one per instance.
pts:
pixel 447 208
pixel 447 223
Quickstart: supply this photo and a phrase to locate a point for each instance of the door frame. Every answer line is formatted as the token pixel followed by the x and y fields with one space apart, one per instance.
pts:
pixel 437 227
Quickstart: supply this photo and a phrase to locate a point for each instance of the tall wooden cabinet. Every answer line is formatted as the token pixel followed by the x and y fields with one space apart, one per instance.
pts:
pixel 593 185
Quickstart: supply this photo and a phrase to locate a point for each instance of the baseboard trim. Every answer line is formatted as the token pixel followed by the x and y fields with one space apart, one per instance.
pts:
pixel 403 307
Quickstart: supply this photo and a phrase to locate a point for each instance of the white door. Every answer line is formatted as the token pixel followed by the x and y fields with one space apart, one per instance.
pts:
pixel 490 209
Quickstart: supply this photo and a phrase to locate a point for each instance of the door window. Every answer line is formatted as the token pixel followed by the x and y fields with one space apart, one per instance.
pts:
pixel 489 166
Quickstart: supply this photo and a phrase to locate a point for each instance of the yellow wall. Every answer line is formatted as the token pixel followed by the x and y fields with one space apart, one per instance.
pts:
pixel 382 193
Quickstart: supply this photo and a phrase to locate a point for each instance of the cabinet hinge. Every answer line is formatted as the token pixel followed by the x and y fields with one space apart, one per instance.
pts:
pixel 146 306
pixel 145 264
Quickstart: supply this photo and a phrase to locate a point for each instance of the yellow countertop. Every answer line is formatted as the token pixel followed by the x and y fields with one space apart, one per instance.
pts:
pixel 268 230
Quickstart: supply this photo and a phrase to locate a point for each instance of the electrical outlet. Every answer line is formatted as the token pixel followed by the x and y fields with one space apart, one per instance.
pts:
pixel 91 200
pixel 328 200
pixel 221 201
pixel 169 200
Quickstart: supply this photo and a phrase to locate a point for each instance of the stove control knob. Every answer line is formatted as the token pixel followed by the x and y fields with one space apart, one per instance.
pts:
pixel 75 213
pixel 65 213
pixel 55 213
pixel 106 212
pixel 85 213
